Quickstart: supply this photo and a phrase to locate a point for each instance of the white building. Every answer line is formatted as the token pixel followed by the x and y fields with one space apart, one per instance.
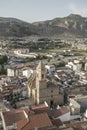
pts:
pixel 14 71
pixel 21 51
pixel 74 107
pixel 27 72
pixel 50 68
pixel 75 66
pixel 65 117
pixel 25 53
pixel 64 114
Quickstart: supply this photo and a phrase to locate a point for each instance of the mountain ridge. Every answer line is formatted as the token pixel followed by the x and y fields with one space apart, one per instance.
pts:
pixel 73 24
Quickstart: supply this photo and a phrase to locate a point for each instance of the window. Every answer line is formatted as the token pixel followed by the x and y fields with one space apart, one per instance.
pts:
pixel 42 76
pixel 51 91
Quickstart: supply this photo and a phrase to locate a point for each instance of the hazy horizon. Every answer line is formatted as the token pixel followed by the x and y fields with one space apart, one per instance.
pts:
pixel 39 10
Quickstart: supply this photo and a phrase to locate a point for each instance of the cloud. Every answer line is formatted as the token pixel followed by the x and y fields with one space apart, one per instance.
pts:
pixel 76 9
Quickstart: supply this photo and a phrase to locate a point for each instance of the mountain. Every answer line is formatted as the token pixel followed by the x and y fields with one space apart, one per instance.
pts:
pixel 72 25
pixel 15 27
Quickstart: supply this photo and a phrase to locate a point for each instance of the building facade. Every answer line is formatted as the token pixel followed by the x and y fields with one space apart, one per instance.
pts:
pixel 41 89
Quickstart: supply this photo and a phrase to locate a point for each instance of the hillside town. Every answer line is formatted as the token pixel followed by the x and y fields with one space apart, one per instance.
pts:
pixel 44 90
pixel 43 65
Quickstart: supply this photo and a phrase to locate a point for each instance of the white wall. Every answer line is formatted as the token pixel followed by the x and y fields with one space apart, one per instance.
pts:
pixel 68 117
pixel 24 93
pixel 77 67
pixel 73 117
pixel 21 51
pixel 10 72
pixel 50 68
pixel 65 117
pixel 27 73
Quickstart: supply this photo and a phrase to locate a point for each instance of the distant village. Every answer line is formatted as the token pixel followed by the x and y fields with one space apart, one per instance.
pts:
pixel 44 91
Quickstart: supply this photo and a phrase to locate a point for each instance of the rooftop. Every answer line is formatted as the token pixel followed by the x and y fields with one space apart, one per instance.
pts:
pixel 35 121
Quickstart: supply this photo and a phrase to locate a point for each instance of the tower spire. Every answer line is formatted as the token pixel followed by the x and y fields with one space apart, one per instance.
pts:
pixel 41 71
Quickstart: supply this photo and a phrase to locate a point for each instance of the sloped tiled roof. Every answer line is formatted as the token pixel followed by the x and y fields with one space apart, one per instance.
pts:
pixel 36 121
pixel 81 125
pixel 13 116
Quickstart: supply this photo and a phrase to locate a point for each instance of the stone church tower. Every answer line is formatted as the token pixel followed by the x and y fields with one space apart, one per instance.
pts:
pixel 41 83
pixel 42 89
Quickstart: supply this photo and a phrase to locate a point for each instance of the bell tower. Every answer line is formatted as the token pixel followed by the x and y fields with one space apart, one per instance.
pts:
pixel 41 72
pixel 41 83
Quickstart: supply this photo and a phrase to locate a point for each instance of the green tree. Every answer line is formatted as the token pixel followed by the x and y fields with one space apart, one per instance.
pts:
pixel 3 59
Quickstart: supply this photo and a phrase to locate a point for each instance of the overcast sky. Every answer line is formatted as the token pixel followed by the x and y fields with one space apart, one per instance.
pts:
pixel 38 10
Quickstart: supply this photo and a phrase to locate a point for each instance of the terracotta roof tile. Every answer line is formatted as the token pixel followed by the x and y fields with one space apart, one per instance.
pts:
pixel 78 125
pixel 40 106
pixel 57 122
pixel 36 121
pixel 12 116
pixel 18 114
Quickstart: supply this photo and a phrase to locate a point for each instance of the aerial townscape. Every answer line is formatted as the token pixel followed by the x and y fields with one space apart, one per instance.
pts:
pixel 43 74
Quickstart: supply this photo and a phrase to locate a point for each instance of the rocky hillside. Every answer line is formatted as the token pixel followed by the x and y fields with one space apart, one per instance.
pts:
pixel 15 27
pixel 72 25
